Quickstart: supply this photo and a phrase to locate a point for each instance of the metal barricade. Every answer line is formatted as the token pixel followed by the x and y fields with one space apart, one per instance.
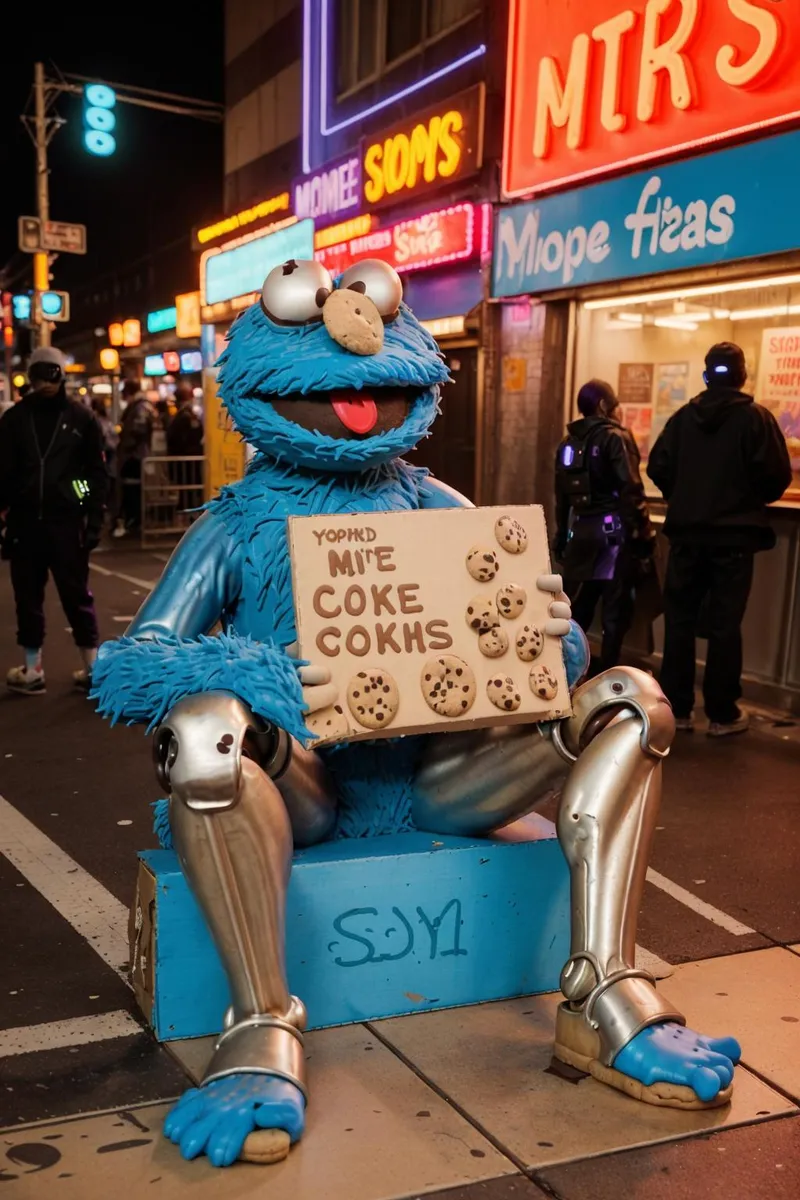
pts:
pixel 173 491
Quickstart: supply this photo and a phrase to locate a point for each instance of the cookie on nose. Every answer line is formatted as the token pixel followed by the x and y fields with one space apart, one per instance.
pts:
pixel 353 321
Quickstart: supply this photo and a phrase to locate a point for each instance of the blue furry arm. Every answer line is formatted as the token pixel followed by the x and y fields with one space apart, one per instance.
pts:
pixel 435 494
pixel 577 655
pixel 200 581
pixel 140 681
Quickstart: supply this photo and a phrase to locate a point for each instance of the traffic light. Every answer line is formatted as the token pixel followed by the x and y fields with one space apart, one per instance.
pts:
pixel 54 306
pixel 21 306
pixel 99 120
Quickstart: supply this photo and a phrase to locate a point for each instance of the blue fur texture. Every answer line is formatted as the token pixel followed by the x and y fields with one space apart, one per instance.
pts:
pixel 140 681
pixel 577 655
pixel 263 359
pixel 254 512
pixel 161 826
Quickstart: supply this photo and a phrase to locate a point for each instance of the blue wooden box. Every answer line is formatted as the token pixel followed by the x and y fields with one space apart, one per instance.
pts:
pixel 375 928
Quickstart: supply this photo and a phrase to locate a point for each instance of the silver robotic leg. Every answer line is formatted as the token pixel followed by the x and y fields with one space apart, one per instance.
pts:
pixel 233 832
pixel 620 732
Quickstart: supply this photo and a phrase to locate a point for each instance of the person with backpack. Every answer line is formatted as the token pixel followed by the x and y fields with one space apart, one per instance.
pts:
pixel 720 460
pixel 604 538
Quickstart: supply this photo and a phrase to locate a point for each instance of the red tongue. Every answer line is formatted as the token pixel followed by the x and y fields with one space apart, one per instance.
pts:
pixel 358 413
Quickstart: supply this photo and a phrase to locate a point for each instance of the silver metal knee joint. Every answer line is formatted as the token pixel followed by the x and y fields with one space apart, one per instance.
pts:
pixel 200 745
pixel 623 691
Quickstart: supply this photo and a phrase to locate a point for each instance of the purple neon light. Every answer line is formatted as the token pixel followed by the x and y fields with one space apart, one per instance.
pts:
pixel 327 130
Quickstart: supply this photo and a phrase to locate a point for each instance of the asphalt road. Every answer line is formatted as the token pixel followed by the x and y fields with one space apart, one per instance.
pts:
pixel 724 880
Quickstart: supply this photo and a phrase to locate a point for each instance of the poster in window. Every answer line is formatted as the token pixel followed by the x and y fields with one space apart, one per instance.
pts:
pixel 778 389
pixel 635 383
pixel 638 418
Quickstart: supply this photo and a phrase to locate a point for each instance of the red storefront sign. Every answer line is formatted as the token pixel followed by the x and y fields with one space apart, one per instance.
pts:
pixel 447 235
pixel 595 85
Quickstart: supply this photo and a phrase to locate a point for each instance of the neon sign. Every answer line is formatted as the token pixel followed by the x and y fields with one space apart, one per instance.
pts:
pixel 125 333
pixel 436 147
pixel 343 232
pixel 154 364
pixel 605 84
pixel 266 208
pixel 240 270
pixel 323 118
pixel 434 239
pixel 328 193
pixel 162 319
pixel 187 314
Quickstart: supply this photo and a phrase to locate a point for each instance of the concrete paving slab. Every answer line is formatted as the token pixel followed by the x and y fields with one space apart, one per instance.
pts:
pixel 495 1062
pixel 376 1132
pixel 755 997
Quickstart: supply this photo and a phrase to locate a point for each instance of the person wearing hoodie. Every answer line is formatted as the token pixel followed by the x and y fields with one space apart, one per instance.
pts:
pixel 720 460
pixel 53 487
pixel 603 534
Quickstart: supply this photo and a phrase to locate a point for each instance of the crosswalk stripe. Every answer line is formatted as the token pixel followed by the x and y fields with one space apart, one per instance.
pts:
pixel 697 905
pixel 89 907
pixel 77 1031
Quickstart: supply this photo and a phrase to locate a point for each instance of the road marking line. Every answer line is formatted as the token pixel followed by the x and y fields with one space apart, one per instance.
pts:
pixel 76 1031
pixel 697 905
pixel 147 584
pixel 90 909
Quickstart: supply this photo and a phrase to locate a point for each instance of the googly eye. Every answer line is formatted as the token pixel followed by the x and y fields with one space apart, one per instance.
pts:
pixel 377 280
pixel 294 292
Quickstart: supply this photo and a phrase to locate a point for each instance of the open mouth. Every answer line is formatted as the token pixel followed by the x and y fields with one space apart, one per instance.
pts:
pixel 347 412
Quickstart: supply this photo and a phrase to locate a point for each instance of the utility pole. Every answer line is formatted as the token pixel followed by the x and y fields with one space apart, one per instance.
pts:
pixel 41 127
pixel 41 268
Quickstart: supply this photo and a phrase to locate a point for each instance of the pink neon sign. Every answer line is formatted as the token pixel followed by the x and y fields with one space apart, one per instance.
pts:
pixel 444 236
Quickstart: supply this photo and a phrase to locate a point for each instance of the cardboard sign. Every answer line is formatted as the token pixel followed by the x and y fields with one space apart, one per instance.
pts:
pixel 427 620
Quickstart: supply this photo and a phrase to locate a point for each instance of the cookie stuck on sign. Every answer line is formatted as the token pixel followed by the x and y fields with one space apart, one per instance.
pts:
pixel 415 613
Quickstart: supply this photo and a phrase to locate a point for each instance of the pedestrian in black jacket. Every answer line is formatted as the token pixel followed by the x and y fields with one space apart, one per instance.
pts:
pixel 603 531
pixel 53 487
pixel 720 460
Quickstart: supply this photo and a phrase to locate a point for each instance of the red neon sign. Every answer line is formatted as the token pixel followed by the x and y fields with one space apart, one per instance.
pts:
pixel 594 85
pixel 447 235
pixel 172 360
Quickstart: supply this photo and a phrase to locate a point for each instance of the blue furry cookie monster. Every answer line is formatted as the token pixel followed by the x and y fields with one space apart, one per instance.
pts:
pixel 332 382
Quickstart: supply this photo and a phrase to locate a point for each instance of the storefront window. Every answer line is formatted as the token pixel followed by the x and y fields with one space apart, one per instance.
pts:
pixel 373 35
pixel 652 347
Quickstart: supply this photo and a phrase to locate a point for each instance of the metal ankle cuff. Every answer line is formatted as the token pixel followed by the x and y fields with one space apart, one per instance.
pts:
pixel 260 1045
pixel 621 1006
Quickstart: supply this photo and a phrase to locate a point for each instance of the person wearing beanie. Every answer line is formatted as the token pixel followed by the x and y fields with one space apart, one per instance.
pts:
pixel 53 486
pixel 720 460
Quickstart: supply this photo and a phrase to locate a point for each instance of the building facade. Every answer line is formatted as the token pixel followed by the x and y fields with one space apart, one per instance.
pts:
pixel 370 128
pixel 649 176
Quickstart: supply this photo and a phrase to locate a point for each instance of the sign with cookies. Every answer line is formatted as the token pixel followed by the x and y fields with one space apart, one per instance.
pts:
pixel 427 620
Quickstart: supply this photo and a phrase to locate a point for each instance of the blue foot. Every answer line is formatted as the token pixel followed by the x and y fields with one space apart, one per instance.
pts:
pixel 669 1053
pixel 217 1118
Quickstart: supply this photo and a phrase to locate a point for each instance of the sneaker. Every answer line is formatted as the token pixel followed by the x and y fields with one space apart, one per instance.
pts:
pixel 119 530
pixel 725 728
pixel 28 681
pixel 82 679
pixel 684 724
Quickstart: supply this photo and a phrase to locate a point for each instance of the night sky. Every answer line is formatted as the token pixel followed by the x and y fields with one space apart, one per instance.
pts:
pixel 166 174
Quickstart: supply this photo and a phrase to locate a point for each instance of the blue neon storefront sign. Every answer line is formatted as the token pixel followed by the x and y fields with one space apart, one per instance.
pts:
pixel 239 272
pixel 162 319
pixel 732 204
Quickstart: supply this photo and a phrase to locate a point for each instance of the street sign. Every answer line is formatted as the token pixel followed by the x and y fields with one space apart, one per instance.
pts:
pixel 63 238
pixel 29 231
